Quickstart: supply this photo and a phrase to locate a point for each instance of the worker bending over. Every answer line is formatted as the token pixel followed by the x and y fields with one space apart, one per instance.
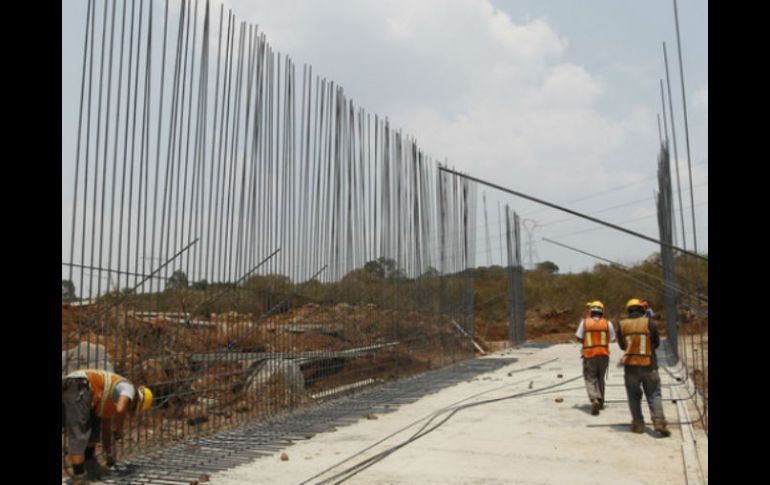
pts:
pixel 94 400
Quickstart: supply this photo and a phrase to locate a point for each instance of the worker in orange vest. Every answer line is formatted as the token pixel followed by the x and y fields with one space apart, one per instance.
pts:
pixel 94 400
pixel 638 336
pixel 595 333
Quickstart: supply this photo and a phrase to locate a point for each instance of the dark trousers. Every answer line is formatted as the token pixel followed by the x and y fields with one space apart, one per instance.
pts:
pixel 594 371
pixel 640 379
pixel 82 426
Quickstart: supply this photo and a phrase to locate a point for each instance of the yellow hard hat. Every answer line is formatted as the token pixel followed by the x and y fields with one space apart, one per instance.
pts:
pixel 596 307
pixel 634 302
pixel 146 399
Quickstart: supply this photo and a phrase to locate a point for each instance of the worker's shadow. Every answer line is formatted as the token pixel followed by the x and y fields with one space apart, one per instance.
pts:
pixel 626 428
pixel 619 427
pixel 586 408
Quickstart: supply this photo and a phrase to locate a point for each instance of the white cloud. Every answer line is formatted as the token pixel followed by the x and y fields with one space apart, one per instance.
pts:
pixel 701 100
pixel 496 96
pixel 531 40
pixel 568 86
pixel 404 22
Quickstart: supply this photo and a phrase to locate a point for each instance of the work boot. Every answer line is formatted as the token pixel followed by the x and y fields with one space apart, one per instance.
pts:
pixel 95 470
pixel 637 427
pixel 79 479
pixel 595 406
pixel 662 429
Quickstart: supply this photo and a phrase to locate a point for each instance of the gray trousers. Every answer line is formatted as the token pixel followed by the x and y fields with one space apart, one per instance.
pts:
pixel 594 370
pixel 645 379
pixel 82 425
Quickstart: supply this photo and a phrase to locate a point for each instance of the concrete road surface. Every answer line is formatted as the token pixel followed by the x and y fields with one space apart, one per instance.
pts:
pixel 547 436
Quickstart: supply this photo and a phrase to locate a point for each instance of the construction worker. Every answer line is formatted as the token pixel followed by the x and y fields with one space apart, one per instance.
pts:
pixel 638 337
pixel 93 400
pixel 648 311
pixel 595 333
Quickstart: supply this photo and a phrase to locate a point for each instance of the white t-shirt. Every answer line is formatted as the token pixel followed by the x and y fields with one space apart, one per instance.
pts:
pixel 581 330
pixel 123 388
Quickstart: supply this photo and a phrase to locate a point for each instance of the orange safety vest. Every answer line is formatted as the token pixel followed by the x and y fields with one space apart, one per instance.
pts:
pixel 636 332
pixel 595 337
pixel 102 384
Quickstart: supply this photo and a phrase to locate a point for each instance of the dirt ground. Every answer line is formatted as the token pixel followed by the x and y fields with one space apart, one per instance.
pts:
pixel 541 326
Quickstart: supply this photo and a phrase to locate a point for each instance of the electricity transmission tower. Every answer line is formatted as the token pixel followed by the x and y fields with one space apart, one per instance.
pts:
pixel 531 225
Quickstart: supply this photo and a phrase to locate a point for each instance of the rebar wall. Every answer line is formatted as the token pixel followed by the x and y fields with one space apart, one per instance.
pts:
pixel 243 239
pixel 692 337
pixel 515 268
pixel 665 226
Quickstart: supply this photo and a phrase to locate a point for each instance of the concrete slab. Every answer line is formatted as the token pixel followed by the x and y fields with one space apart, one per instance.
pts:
pixel 530 439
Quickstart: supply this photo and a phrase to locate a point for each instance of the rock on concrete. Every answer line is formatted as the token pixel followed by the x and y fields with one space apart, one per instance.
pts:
pixel 86 355
pixel 286 369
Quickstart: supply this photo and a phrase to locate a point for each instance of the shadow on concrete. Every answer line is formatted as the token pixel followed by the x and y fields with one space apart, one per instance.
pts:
pixel 586 408
pixel 535 345
pixel 626 428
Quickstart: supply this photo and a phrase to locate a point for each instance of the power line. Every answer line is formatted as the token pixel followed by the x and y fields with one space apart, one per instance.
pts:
pixel 597 194
pixel 626 222
pixel 646 199
pixel 570 211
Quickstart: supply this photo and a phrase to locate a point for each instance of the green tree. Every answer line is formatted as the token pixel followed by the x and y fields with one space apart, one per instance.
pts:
pixel 431 272
pixel 548 267
pixel 177 280
pixel 200 285
pixel 384 268
pixel 68 291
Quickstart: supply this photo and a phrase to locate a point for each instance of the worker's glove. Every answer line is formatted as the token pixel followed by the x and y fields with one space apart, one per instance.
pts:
pixel 111 461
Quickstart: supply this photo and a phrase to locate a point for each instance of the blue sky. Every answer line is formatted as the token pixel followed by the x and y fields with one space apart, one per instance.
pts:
pixel 558 99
